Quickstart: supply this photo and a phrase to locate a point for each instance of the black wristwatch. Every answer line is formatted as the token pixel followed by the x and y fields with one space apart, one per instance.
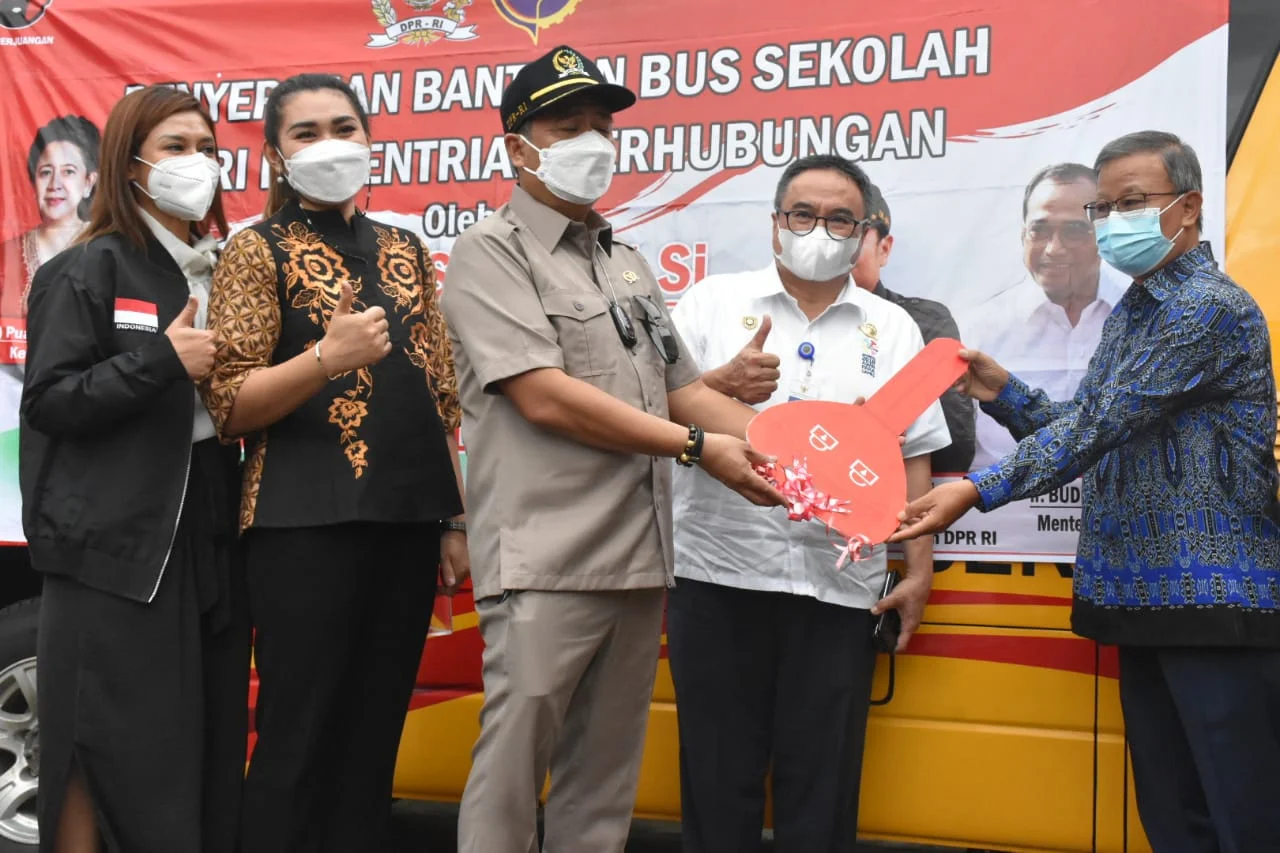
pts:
pixel 449 525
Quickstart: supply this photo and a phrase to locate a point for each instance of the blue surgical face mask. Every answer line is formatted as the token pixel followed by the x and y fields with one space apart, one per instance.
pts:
pixel 1133 242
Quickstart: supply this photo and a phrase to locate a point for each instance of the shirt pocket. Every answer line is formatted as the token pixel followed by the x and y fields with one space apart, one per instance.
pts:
pixel 587 335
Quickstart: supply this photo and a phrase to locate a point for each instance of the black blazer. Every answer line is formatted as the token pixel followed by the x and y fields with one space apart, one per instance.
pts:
pixel 106 418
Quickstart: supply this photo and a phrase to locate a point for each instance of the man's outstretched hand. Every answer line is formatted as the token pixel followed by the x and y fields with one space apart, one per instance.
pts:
pixel 937 510
pixel 984 380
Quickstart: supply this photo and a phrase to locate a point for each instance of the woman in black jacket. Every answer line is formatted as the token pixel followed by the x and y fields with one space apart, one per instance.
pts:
pixel 129 508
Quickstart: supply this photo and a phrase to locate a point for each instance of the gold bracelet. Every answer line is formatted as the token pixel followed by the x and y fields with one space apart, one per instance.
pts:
pixel 320 362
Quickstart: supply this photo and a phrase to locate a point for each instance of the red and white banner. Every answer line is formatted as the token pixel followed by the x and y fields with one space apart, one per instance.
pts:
pixel 951 109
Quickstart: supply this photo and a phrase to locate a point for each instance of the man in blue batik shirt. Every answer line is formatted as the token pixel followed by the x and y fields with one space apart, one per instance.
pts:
pixel 1173 430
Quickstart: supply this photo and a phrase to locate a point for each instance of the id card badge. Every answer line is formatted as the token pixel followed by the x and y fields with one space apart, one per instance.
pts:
pixel 801 394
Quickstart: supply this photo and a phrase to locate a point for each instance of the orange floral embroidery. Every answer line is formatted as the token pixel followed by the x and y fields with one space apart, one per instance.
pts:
pixel 356 451
pixel 398 263
pixel 314 273
pixel 348 414
pixel 419 348
pixel 313 277
pixel 428 347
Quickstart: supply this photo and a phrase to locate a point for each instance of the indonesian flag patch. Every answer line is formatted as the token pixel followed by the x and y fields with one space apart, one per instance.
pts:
pixel 134 315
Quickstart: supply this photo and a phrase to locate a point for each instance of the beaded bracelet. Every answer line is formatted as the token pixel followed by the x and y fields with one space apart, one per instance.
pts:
pixel 692 453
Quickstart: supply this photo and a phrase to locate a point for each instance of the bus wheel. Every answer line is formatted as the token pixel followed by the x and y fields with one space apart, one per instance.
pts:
pixel 19 728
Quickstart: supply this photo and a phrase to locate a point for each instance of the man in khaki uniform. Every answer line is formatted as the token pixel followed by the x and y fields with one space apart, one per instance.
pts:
pixel 571 375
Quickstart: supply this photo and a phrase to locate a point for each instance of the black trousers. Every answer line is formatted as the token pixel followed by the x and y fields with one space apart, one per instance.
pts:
pixel 341 615
pixel 149 700
pixel 763 676
pixel 1204 733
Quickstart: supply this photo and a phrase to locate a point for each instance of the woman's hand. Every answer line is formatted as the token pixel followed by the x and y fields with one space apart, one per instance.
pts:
pixel 455 561
pixel 354 339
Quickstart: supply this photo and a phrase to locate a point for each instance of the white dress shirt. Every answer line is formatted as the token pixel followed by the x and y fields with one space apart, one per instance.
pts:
pixel 1033 339
pixel 720 537
pixel 196 263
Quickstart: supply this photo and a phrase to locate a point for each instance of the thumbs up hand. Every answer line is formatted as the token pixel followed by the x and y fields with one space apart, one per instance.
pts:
pixel 195 347
pixel 762 334
pixel 186 318
pixel 752 375
pixel 354 339
pixel 345 298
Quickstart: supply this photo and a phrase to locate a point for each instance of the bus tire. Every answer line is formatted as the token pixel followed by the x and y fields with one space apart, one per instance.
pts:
pixel 19 727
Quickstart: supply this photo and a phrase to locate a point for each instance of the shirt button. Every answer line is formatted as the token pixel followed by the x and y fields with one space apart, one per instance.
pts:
pixel 578 306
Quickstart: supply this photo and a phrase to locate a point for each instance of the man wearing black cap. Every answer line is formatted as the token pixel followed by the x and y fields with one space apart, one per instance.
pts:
pixel 934 320
pixel 571 375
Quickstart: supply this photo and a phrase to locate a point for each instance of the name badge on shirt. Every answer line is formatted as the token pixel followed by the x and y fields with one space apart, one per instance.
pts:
pixel 870 348
pixel 801 394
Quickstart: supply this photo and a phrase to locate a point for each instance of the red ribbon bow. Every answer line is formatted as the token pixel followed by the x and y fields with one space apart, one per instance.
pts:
pixel 805 500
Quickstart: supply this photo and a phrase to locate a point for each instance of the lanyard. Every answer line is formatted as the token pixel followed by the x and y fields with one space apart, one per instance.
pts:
pixel 807 353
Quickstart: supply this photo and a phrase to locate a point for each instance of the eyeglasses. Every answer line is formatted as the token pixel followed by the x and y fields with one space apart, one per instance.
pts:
pixel 839 227
pixel 1125 204
pixel 655 323
pixel 1073 233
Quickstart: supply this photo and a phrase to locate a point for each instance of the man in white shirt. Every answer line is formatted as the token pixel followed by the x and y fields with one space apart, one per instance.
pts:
pixel 770 644
pixel 1046 328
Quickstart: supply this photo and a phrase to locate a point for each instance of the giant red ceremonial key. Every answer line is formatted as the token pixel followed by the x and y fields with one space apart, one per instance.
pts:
pixel 852 452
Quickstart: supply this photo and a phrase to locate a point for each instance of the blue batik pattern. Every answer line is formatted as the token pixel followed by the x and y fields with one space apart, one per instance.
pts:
pixel 1173 429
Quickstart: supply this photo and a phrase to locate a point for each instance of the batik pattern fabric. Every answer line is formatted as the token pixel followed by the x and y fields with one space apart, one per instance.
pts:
pixel 1172 430
pixel 273 297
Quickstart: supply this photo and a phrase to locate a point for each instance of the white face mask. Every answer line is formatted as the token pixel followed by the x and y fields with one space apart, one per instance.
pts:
pixel 330 171
pixel 182 186
pixel 816 256
pixel 578 170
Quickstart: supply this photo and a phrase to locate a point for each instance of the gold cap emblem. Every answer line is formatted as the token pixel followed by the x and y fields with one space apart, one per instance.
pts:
pixel 567 63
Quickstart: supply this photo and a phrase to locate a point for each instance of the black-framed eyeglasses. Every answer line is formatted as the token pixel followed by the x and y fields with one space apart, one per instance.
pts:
pixel 655 323
pixel 1125 204
pixel 839 227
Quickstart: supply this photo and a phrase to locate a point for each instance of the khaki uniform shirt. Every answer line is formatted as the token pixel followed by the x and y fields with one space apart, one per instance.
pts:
pixel 527 289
